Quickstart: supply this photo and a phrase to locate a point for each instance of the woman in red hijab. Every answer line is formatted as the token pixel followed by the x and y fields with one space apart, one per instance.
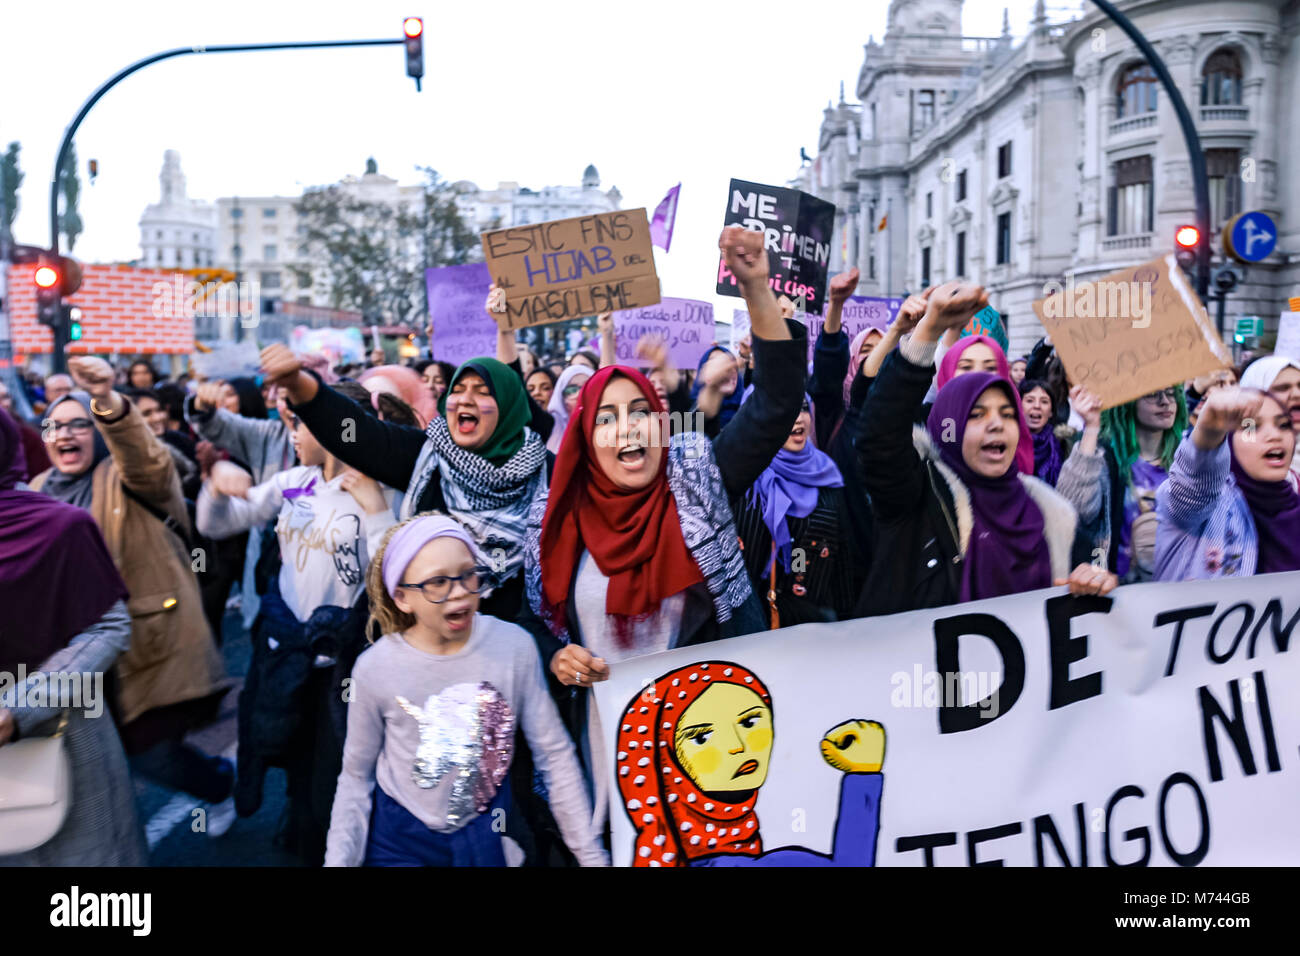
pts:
pixel 693 751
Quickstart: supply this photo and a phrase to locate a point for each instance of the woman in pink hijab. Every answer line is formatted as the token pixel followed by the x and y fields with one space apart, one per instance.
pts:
pixel 406 384
pixel 979 353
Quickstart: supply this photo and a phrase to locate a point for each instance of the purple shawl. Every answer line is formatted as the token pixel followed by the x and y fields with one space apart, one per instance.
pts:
pixel 1047 454
pixel 789 488
pixel 1275 506
pixel 1007 553
pixel 56 576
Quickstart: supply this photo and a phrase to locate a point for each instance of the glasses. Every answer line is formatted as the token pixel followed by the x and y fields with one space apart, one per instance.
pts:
pixel 437 589
pixel 1169 395
pixel 74 426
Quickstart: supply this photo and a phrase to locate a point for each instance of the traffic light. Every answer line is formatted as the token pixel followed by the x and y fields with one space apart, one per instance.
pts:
pixel 1186 241
pixel 54 278
pixel 73 315
pixel 413 31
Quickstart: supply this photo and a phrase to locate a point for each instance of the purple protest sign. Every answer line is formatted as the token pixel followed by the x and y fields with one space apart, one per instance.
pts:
pixel 462 329
pixel 685 324
pixel 860 312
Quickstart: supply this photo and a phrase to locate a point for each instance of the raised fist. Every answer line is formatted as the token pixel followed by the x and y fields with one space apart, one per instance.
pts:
pixel 951 305
pixel 842 286
pixel 855 746
pixel 230 480
pixel 92 375
pixel 280 365
pixel 208 395
pixel 1226 408
pixel 742 250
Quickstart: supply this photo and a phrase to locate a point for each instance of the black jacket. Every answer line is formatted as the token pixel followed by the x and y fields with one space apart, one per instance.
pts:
pixel 923 512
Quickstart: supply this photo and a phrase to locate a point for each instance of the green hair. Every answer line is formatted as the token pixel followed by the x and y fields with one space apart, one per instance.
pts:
pixel 1119 430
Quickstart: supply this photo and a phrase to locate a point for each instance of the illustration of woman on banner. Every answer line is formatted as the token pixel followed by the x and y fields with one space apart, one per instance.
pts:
pixel 693 751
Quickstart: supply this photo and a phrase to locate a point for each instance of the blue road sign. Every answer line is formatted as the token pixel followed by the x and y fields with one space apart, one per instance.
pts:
pixel 1254 236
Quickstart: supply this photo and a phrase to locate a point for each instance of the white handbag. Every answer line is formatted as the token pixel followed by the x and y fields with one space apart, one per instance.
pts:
pixel 35 791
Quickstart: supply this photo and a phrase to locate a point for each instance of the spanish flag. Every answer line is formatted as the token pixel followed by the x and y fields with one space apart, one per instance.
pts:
pixel 884 220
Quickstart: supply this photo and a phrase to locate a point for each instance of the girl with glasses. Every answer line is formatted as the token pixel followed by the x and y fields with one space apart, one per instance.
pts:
pixel 431 732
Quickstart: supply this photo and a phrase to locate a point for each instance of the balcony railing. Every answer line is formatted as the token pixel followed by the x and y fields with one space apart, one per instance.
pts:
pixel 1130 123
pixel 1122 243
pixel 1222 114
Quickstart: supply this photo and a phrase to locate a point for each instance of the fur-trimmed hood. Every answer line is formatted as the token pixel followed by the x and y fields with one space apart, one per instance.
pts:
pixel 1059 518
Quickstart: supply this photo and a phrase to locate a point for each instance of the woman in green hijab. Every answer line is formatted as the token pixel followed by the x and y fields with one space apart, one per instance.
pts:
pixel 481 460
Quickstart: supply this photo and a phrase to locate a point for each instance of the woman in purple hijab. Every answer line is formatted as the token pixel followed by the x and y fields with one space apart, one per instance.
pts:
pixel 1229 508
pixel 799 541
pixel 64 624
pixel 956 519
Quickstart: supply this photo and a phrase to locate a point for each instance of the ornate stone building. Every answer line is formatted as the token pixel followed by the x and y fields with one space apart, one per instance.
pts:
pixel 1014 163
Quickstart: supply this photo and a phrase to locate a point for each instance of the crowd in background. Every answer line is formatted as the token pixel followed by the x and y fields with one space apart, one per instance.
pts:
pixel 434 563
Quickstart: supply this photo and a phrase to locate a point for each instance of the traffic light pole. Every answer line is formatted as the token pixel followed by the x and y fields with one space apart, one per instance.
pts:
pixel 59 359
pixel 1200 180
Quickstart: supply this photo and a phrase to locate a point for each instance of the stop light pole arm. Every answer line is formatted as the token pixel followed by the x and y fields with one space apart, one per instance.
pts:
pixel 71 131
pixel 1200 180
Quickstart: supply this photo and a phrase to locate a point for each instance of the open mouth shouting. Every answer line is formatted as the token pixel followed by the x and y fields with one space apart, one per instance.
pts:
pixel 458 616
pixel 633 457
pixel 67 453
pixel 1276 459
pixel 994 451
pixel 467 419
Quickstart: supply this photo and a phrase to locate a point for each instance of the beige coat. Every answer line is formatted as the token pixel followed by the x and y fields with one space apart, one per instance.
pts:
pixel 172 656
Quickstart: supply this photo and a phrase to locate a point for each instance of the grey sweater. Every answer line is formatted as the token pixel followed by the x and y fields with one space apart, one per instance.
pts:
pixel 430 730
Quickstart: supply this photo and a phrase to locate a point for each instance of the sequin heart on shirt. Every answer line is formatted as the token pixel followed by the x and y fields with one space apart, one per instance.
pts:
pixel 467 731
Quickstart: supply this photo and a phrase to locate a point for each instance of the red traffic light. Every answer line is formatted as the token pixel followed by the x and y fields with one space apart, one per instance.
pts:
pixel 1187 237
pixel 412 27
pixel 47 277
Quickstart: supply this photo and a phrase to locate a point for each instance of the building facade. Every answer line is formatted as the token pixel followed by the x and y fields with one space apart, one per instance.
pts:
pixel 177 232
pixel 513 205
pixel 1018 163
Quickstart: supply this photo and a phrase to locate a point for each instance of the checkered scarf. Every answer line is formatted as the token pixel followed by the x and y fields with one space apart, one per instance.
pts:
pixel 492 503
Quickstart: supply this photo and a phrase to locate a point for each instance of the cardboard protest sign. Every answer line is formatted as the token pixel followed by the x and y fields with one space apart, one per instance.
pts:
pixel 227 360
pixel 1132 332
pixel 739 327
pixel 860 312
pixel 796 230
pixel 569 268
pixel 1288 335
pixel 462 329
pixel 686 325
pixel 988 321
pixel 1152 726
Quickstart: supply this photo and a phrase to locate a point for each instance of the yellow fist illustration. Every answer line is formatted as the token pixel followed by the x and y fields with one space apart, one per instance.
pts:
pixel 855 746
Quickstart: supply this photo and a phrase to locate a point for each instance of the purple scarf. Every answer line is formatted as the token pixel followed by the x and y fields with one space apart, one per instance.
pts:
pixel 1007 553
pixel 56 576
pixel 789 488
pixel 1275 506
pixel 1047 454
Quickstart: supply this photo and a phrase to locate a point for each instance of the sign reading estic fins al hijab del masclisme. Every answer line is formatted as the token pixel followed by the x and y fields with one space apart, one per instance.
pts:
pixel 1156 726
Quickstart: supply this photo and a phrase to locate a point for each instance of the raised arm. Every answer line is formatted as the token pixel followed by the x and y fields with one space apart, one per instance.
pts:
pixel 258 442
pixel 890 467
pixel 1083 473
pixel 385 451
pixel 1203 460
pixel 144 463
pixel 608 339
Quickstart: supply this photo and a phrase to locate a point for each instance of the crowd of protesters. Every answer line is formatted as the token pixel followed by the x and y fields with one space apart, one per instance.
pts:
pixel 434 563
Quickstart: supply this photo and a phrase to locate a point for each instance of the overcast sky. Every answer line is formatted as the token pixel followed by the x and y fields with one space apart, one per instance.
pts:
pixel 651 93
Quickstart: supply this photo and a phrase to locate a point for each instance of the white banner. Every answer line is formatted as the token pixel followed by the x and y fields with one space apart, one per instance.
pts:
pixel 1156 726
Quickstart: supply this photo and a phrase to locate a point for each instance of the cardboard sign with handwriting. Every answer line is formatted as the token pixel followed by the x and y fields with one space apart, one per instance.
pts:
pixel 1132 332
pixel 569 268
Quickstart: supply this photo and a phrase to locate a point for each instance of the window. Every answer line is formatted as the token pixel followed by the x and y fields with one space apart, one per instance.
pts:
pixel 269 280
pixel 1004 238
pixel 268 212
pixel 236 251
pixel 1136 92
pixel 160 235
pixel 269 252
pixel 196 237
pixel 961 185
pixel 236 213
pixel 925 266
pixel 1221 79
pixel 961 255
pixel 1223 166
pixel 872 134
pixel 1004 160
pixel 924 108
pixel 929 205
pixel 1131 198
pixel 871 265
